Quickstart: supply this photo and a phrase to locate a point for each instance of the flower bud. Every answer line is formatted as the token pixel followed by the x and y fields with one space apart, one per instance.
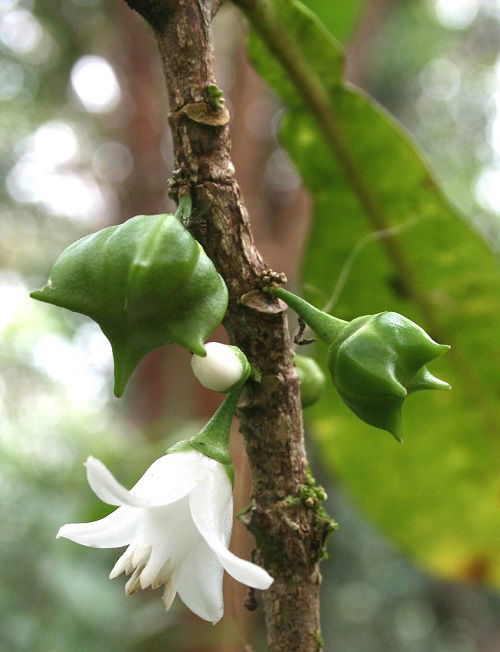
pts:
pixel 224 368
pixel 146 282
pixel 311 379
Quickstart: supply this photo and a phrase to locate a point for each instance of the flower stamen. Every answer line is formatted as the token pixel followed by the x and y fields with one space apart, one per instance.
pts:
pixel 169 594
pixel 123 563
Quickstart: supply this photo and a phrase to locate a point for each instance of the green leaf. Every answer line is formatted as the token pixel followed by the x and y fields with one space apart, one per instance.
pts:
pixel 339 17
pixel 146 282
pixel 437 495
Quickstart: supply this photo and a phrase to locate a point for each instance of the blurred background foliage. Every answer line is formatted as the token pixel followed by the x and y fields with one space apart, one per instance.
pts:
pixel 84 143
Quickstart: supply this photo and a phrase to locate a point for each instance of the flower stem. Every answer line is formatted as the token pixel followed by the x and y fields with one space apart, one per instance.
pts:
pixel 213 440
pixel 325 326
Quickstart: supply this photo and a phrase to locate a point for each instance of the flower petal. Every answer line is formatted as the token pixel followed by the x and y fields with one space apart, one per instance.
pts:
pixel 112 531
pixel 106 486
pixel 210 504
pixel 199 583
pixel 167 480
pixel 171 477
pixel 172 535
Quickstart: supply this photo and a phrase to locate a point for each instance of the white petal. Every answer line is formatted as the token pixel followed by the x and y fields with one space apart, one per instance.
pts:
pixel 171 477
pixel 199 583
pixel 172 534
pixel 210 504
pixel 107 488
pixel 167 480
pixel 113 531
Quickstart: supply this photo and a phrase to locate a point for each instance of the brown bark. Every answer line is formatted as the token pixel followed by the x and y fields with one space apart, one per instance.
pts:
pixel 289 531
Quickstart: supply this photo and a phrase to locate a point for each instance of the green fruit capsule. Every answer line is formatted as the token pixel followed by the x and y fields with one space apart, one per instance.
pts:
pixel 146 282
pixel 311 379
pixel 375 361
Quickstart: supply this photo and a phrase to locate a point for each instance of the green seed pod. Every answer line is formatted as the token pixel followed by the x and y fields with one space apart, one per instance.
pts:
pixel 311 379
pixel 146 282
pixel 375 361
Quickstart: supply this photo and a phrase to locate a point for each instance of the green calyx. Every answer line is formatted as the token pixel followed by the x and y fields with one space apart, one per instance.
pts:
pixel 375 361
pixel 146 282
pixel 213 439
pixel 311 379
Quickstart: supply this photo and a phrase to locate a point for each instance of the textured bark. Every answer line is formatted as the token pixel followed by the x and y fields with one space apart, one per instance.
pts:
pixel 290 531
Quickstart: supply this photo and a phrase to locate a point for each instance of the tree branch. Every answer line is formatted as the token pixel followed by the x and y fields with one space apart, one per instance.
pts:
pixel 154 11
pixel 287 521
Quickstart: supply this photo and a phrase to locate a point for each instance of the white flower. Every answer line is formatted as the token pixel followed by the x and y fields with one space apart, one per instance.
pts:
pixel 176 522
pixel 223 369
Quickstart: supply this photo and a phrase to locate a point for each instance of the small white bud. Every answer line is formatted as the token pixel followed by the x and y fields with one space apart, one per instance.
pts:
pixel 223 369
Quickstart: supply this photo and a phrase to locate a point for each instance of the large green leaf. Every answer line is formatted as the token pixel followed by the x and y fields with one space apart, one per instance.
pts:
pixel 437 496
pixel 339 17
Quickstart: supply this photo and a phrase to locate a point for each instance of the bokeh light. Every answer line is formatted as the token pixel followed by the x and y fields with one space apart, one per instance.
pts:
pixel 95 84
pixel 456 14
